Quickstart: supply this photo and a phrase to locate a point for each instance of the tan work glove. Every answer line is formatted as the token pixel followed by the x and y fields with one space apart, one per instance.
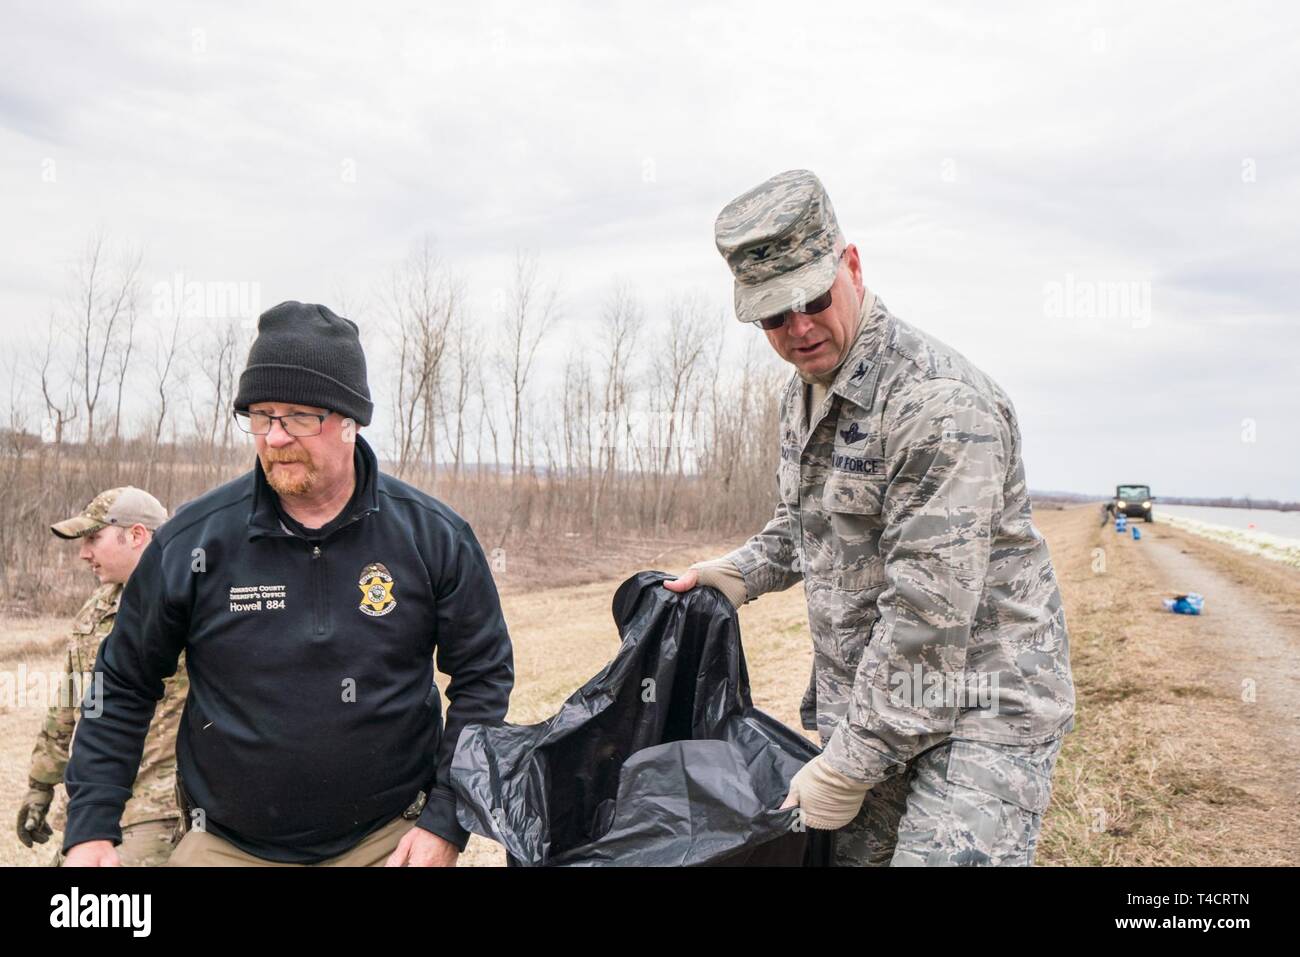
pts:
pixel 719 573
pixel 33 811
pixel 827 798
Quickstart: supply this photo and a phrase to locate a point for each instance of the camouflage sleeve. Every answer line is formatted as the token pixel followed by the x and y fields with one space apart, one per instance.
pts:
pixel 946 451
pixel 770 560
pixel 50 756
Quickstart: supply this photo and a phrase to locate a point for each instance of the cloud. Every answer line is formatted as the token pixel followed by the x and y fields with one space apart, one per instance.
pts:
pixel 975 161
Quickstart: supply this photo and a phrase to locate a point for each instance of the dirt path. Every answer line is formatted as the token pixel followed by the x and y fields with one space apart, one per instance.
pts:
pixel 1173 760
pixel 1250 649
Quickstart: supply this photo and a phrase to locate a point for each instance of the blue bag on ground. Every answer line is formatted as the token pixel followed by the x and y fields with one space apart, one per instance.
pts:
pixel 659 760
pixel 1189 604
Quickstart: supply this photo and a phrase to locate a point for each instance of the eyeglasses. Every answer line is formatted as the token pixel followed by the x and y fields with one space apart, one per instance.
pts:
pixel 297 424
pixel 820 304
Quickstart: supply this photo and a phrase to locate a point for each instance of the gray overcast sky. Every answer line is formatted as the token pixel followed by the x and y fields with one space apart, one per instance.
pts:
pixel 997 171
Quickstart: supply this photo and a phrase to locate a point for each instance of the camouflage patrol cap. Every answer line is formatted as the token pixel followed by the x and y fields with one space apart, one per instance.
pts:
pixel 781 240
pixel 123 507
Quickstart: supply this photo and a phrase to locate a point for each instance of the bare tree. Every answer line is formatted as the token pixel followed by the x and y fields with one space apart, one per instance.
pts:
pixel 59 413
pixel 164 361
pixel 122 353
pixel 532 308
pixel 217 354
pixel 487 419
pixel 676 369
pixel 422 299
pixel 103 301
pixel 621 318
pixel 575 424
pixel 468 357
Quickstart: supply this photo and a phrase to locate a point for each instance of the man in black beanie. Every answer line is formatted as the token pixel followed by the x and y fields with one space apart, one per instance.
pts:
pixel 309 596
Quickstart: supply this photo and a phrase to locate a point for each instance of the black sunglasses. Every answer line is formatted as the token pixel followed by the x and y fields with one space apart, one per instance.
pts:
pixel 820 304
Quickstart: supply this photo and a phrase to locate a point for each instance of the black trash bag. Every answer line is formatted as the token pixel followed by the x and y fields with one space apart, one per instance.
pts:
pixel 661 759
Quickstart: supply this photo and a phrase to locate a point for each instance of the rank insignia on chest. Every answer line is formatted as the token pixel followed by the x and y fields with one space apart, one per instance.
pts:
pixel 376 590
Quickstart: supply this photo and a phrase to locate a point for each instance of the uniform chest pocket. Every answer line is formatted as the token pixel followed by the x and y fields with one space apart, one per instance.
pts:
pixel 854 493
pixel 852 505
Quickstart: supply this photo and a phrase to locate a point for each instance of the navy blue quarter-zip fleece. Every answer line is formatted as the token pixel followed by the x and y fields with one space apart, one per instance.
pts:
pixel 312 718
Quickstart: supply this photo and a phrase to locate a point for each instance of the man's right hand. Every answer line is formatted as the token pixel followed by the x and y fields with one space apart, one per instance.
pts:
pixel 92 854
pixel 32 826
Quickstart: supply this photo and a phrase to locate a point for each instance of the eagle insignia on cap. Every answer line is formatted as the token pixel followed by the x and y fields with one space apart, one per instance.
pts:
pixel 376 590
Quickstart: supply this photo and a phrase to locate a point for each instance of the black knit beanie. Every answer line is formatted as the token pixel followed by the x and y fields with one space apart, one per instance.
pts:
pixel 304 353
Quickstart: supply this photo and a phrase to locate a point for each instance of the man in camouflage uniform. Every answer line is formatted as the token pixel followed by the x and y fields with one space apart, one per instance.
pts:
pixel 941 682
pixel 113 532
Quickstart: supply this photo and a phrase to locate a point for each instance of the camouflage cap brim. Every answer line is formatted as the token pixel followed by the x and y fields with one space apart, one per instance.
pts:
pixel 791 290
pixel 76 527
